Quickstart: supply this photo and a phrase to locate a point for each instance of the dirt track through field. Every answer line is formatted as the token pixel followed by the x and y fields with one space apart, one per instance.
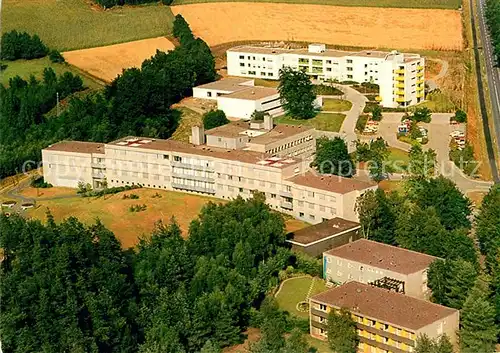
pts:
pixel 109 61
pixel 395 28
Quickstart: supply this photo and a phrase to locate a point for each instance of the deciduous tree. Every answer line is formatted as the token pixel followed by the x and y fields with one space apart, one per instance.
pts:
pixel 342 334
pixel 297 94
pixel 332 157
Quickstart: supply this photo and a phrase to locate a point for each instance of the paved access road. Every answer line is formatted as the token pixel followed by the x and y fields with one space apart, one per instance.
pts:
pixel 492 72
pixel 439 140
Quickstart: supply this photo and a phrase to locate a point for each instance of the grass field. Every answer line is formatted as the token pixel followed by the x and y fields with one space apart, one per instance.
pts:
pixel 296 290
pixel 438 102
pixel 336 105
pixel 114 210
pixel 189 118
pixel 338 25
pixel 398 156
pixel 26 68
pixel 76 24
pixel 430 4
pixel 109 61
pixel 266 83
pixel 322 121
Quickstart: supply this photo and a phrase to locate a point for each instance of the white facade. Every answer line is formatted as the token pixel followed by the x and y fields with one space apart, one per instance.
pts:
pixel 240 98
pixel 288 184
pixel 400 76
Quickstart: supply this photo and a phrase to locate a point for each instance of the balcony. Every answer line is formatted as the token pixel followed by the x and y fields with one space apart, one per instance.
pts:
pixel 400 93
pixel 393 336
pixel 319 313
pixel 400 100
pixel 193 188
pixel 420 88
pixel 419 82
pixel 420 95
pixel 317 62
pixel 420 67
pixel 400 85
pixel 286 205
pixel 380 345
pixel 101 165
pixel 399 78
pixel 193 177
pixel 191 166
pixel 304 61
pixel 420 74
pixel 400 71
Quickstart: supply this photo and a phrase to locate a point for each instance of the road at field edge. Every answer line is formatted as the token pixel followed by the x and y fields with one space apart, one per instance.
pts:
pixel 493 84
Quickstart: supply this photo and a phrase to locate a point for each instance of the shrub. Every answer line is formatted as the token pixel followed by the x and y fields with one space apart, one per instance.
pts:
pixel 325 90
pixel 307 264
pixel 39 182
pixel 3 67
pixel 460 116
pixel 84 188
pixel 108 191
pixel 214 119
pixel 377 113
pixel 131 197
pixel 361 122
pixel 56 57
pixel 463 159
pixel 20 45
pixel 370 106
pixel 137 208
pixel 422 114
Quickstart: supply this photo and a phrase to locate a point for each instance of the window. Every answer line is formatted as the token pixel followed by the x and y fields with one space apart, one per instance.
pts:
pixel 241 189
pixel 177 158
pixel 349 76
pixel 349 68
pixel 242 56
pixel 301 203
pixel 349 61
pixel 324 219
pixel 328 61
pixel 322 307
pixel 322 208
pixel 311 217
pixel 273 196
pixel 301 214
pixel 242 64
pixel 328 69
pixel 229 177
pixel 209 94
pixel 166 156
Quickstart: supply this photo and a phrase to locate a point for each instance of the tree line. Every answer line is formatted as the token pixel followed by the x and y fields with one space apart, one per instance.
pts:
pixel 493 20
pixel 21 45
pixel 71 287
pixel 137 102
pixel 432 216
pixel 111 3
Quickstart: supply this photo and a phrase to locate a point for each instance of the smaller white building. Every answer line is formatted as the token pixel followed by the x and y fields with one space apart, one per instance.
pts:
pixel 239 98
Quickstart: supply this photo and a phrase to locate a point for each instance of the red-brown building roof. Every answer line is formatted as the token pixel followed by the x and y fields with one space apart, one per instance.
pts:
pixel 383 256
pixel 331 183
pixel 383 305
pixel 77 147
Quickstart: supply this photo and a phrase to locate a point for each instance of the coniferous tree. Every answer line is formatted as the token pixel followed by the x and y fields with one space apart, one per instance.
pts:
pixel 478 332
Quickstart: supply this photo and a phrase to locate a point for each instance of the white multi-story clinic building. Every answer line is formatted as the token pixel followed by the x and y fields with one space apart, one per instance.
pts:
pixel 400 76
pixel 225 162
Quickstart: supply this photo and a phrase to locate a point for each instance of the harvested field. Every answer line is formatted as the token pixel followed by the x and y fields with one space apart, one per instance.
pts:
pixel 76 24
pixel 348 26
pixel 420 4
pixel 109 61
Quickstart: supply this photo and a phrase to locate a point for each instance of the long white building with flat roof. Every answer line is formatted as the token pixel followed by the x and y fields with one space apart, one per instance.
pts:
pixel 400 76
pixel 223 163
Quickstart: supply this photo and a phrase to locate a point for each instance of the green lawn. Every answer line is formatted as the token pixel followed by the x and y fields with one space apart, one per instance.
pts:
pixel 322 121
pixel 321 346
pixel 26 68
pixel 189 118
pixel 295 290
pixel 398 159
pixel 77 24
pixel 336 105
pixel 432 4
pixel 437 102
pixel 266 83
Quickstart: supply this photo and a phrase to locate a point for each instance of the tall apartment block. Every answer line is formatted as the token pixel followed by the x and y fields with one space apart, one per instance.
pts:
pixel 368 261
pixel 225 162
pixel 400 76
pixel 386 322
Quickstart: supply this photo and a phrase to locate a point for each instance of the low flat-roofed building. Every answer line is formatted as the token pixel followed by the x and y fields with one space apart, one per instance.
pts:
pixel 240 98
pixel 265 137
pixel 386 321
pixel 316 239
pixel 369 261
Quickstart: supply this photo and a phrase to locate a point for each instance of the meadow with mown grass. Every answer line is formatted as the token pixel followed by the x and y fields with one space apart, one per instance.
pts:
pixel 77 24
